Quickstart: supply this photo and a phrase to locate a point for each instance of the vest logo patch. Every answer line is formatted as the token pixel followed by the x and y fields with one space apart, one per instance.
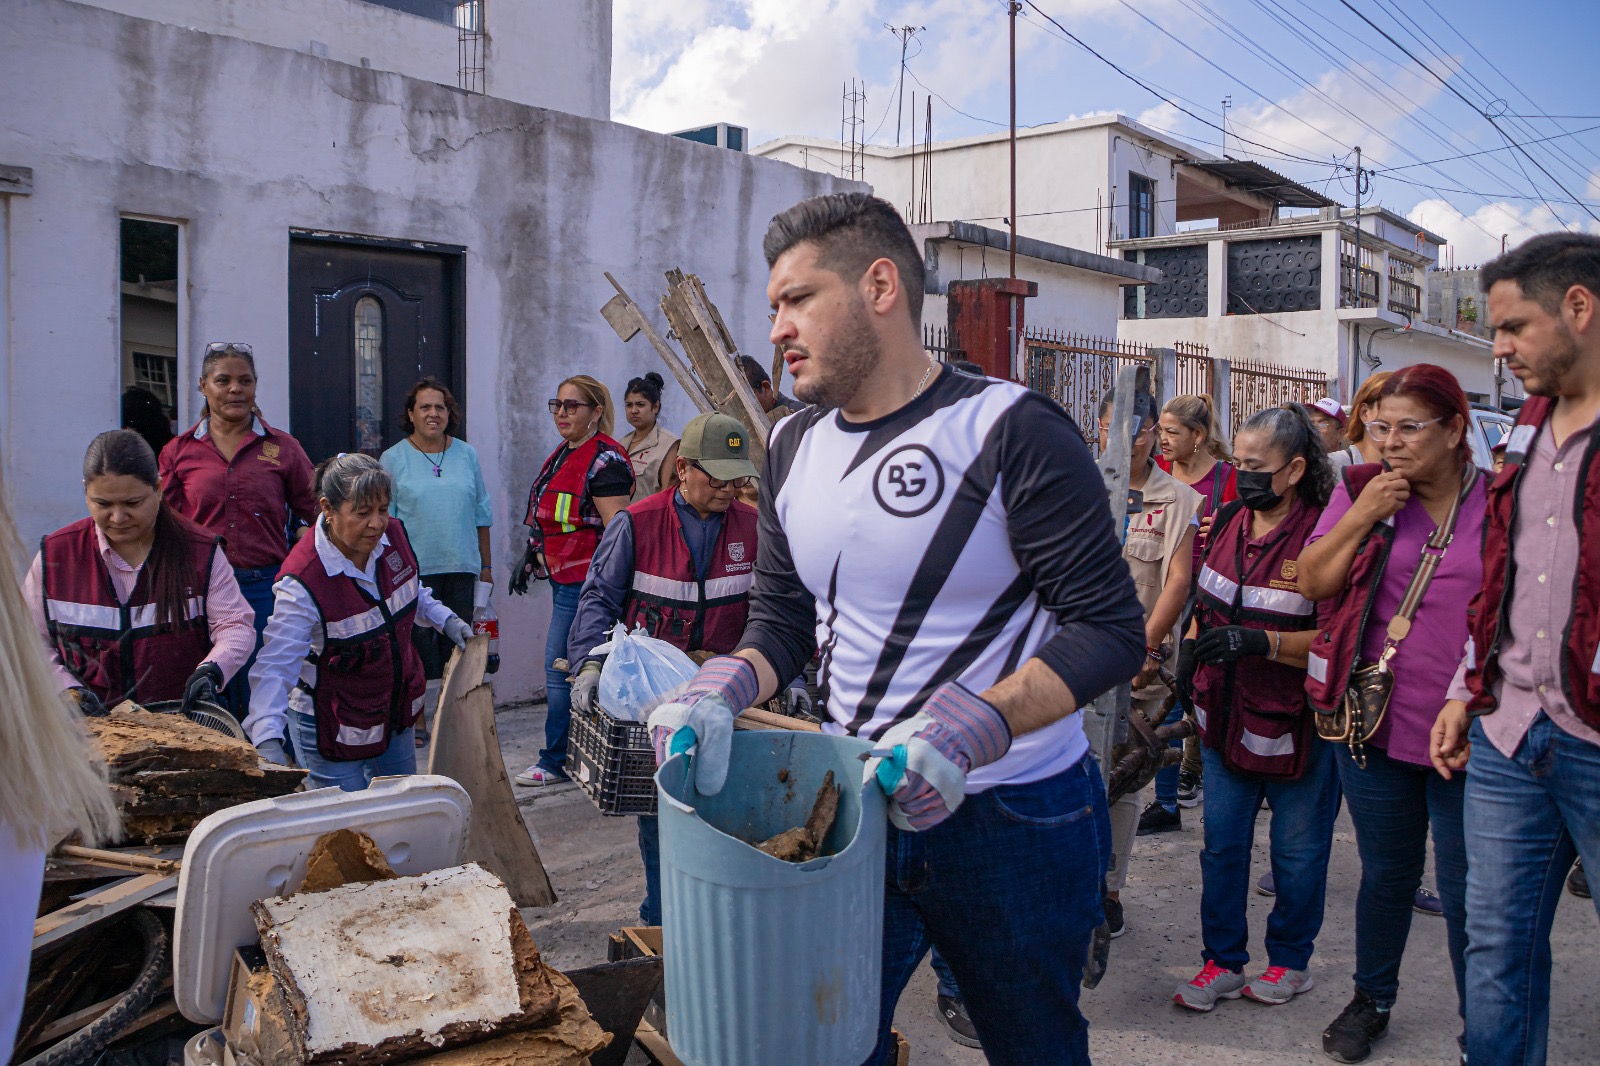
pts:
pixel 736 551
pixel 1291 569
pixel 394 563
pixel 909 481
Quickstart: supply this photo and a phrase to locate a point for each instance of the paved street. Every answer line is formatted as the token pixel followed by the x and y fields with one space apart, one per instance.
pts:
pixel 595 865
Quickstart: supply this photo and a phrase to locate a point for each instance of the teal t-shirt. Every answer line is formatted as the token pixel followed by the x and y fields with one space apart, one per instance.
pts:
pixel 442 510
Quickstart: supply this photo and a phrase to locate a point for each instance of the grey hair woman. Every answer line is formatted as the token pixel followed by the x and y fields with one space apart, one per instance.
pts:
pixel 339 675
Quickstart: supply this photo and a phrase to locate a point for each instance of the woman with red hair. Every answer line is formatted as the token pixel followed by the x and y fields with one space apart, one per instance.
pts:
pixel 1400 584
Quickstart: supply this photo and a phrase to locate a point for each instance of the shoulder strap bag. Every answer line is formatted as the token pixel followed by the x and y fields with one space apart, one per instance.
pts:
pixel 1366 700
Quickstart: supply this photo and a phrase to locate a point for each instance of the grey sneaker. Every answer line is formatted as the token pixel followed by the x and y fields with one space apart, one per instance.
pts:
pixel 1190 789
pixel 1279 984
pixel 1208 986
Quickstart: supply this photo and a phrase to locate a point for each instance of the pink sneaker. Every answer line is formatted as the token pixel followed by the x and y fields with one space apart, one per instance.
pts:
pixel 1279 984
pixel 1207 987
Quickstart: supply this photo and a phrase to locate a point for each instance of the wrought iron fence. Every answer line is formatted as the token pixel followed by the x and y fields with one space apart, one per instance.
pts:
pixel 1076 370
pixel 1256 386
pixel 939 342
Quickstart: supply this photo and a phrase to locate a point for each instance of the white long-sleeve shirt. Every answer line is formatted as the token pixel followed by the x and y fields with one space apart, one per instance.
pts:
pixel 295 632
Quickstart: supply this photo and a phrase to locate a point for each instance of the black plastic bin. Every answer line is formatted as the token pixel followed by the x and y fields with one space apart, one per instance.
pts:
pixel 613 762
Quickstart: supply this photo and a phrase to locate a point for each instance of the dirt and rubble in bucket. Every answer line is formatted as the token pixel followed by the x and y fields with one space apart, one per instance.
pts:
pixel 804 843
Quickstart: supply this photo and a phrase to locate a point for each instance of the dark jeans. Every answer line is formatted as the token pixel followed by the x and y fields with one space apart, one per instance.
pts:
pixel 558 693
pixel 257 588
pixel 1167 776
pixel 1303 811
pixel 1009 889
pixel 455 591
pixel 1393 804
pixel 1527 818
pixel 650 852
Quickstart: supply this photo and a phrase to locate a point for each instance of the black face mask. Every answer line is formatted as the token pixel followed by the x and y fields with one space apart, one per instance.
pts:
pixel 1255 489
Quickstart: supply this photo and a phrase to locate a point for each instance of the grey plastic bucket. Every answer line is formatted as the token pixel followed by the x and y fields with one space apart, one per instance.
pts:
pixel 767 961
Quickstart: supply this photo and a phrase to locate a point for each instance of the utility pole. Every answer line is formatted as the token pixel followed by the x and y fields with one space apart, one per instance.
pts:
pixel 1357 271
pixel 904 33
pixel 1012 8
pixel 1227 102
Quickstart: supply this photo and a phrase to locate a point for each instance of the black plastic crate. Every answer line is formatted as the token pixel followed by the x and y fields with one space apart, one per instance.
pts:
pixel 613 762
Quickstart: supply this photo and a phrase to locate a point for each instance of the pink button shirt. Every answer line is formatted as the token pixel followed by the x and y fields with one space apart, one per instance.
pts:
pixel 232 622
pixel 1544 542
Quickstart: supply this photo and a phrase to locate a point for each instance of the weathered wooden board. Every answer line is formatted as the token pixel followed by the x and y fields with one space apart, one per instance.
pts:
pixel 466 747
pixel 463 672
pixel 383 971
pixel 103 905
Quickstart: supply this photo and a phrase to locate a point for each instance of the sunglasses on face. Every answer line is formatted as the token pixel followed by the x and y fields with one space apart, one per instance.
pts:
pixel 570 407
pixel 738 482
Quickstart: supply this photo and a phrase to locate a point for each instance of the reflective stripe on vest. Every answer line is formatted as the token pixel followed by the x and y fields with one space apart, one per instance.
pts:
pixel 1267 747
pixel 1255 597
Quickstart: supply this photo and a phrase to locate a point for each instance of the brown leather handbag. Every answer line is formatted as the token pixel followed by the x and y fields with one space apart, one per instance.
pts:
pixel 1366 700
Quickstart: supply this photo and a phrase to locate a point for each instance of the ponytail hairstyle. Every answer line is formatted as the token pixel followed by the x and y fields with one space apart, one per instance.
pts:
pixel 123 453
pixel 1290 432
pixel 648 386
pixel 1199 413
pixel 596 393
pixel 1355 427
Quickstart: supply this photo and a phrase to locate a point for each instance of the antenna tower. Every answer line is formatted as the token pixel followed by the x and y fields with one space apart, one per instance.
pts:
pixel 852 131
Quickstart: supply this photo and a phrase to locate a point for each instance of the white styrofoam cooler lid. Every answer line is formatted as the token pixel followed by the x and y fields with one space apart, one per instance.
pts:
pixel 255 850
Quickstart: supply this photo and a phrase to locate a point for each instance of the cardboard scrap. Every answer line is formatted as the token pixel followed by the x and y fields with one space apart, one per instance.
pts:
pixel 385 971
pixel 344 857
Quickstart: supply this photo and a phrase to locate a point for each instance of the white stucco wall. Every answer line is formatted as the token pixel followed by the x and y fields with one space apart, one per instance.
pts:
pixel 241 142
pixel 549 53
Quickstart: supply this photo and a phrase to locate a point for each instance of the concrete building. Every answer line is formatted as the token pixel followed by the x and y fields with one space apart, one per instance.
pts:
pixel 1112 187
pixel 163 186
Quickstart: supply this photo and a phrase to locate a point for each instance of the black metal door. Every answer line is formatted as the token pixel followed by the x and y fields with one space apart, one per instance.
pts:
pixel 366 321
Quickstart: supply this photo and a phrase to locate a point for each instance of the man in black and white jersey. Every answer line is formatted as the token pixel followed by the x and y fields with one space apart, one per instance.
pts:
pixel 946 540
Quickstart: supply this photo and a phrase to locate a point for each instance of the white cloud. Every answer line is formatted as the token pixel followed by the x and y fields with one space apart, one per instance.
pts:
pixel 1164 116
pixel 1476 237
pixel 1312 122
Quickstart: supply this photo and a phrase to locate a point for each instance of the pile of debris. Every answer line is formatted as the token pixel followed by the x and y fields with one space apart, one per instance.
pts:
pixel 168 773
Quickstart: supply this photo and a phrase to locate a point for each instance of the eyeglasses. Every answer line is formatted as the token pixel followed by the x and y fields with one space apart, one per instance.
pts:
pixel 229 348
pixel 1409 430
pixel 738 482
pixel 570 407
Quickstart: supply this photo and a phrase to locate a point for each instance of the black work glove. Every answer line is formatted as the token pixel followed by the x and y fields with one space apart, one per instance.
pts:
pixel 524 570
pixel 1229 644
pixel 89 704
pixel 203 686
pixel 1184 678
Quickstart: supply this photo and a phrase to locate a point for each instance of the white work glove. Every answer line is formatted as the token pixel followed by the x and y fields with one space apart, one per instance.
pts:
pixel 586 687
pixel 458 631
pixel 701 718
pixel 273 751
pixel 922 764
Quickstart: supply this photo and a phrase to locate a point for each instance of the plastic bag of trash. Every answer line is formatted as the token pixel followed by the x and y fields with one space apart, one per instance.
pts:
pixel 639 670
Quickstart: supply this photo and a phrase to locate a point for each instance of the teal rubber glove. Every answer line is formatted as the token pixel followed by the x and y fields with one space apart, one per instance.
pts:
pixel 700 718
pixel 922 763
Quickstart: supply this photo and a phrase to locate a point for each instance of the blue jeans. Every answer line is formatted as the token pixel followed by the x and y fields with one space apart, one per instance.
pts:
pixel 650 852
pixel 1527 818
pixel 1167 776
pixel 1302 836
pixel 257 588
pixel 558 693
pixel 1009 889
pixel 352 775
pixel 1392 805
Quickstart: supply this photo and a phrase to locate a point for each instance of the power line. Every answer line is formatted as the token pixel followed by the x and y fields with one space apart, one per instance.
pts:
pixel 1486 151
pixel 1486 116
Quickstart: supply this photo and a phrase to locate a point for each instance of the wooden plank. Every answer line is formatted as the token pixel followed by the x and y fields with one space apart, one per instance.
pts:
pixel 463 673
pixel 696 324
pixel 103 905
pixel 755 718
pixel 655 1045
pixel 629 320
pixel 466 747
pixel 68 1024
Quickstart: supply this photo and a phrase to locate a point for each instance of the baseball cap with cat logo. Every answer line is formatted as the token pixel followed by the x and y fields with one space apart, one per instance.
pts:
pixel 720 445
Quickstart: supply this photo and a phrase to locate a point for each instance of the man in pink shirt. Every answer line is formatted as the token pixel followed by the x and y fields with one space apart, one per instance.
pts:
pixel 1532 675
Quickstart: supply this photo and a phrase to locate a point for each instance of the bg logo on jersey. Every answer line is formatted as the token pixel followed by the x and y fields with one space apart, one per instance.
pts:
pixel 909 481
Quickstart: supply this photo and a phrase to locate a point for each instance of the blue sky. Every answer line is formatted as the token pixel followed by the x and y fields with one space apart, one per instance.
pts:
pixel 1312 82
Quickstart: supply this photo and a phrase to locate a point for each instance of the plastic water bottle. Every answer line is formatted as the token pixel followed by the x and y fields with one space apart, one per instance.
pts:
pixel 486 623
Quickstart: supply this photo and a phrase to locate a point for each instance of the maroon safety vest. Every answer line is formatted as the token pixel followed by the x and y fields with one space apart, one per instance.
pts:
pixel 669 599
pixel 118 650
pixel 1580 659
pixel 1337 648
pixel 1255 717
pixel 365 682
pixel 561 512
